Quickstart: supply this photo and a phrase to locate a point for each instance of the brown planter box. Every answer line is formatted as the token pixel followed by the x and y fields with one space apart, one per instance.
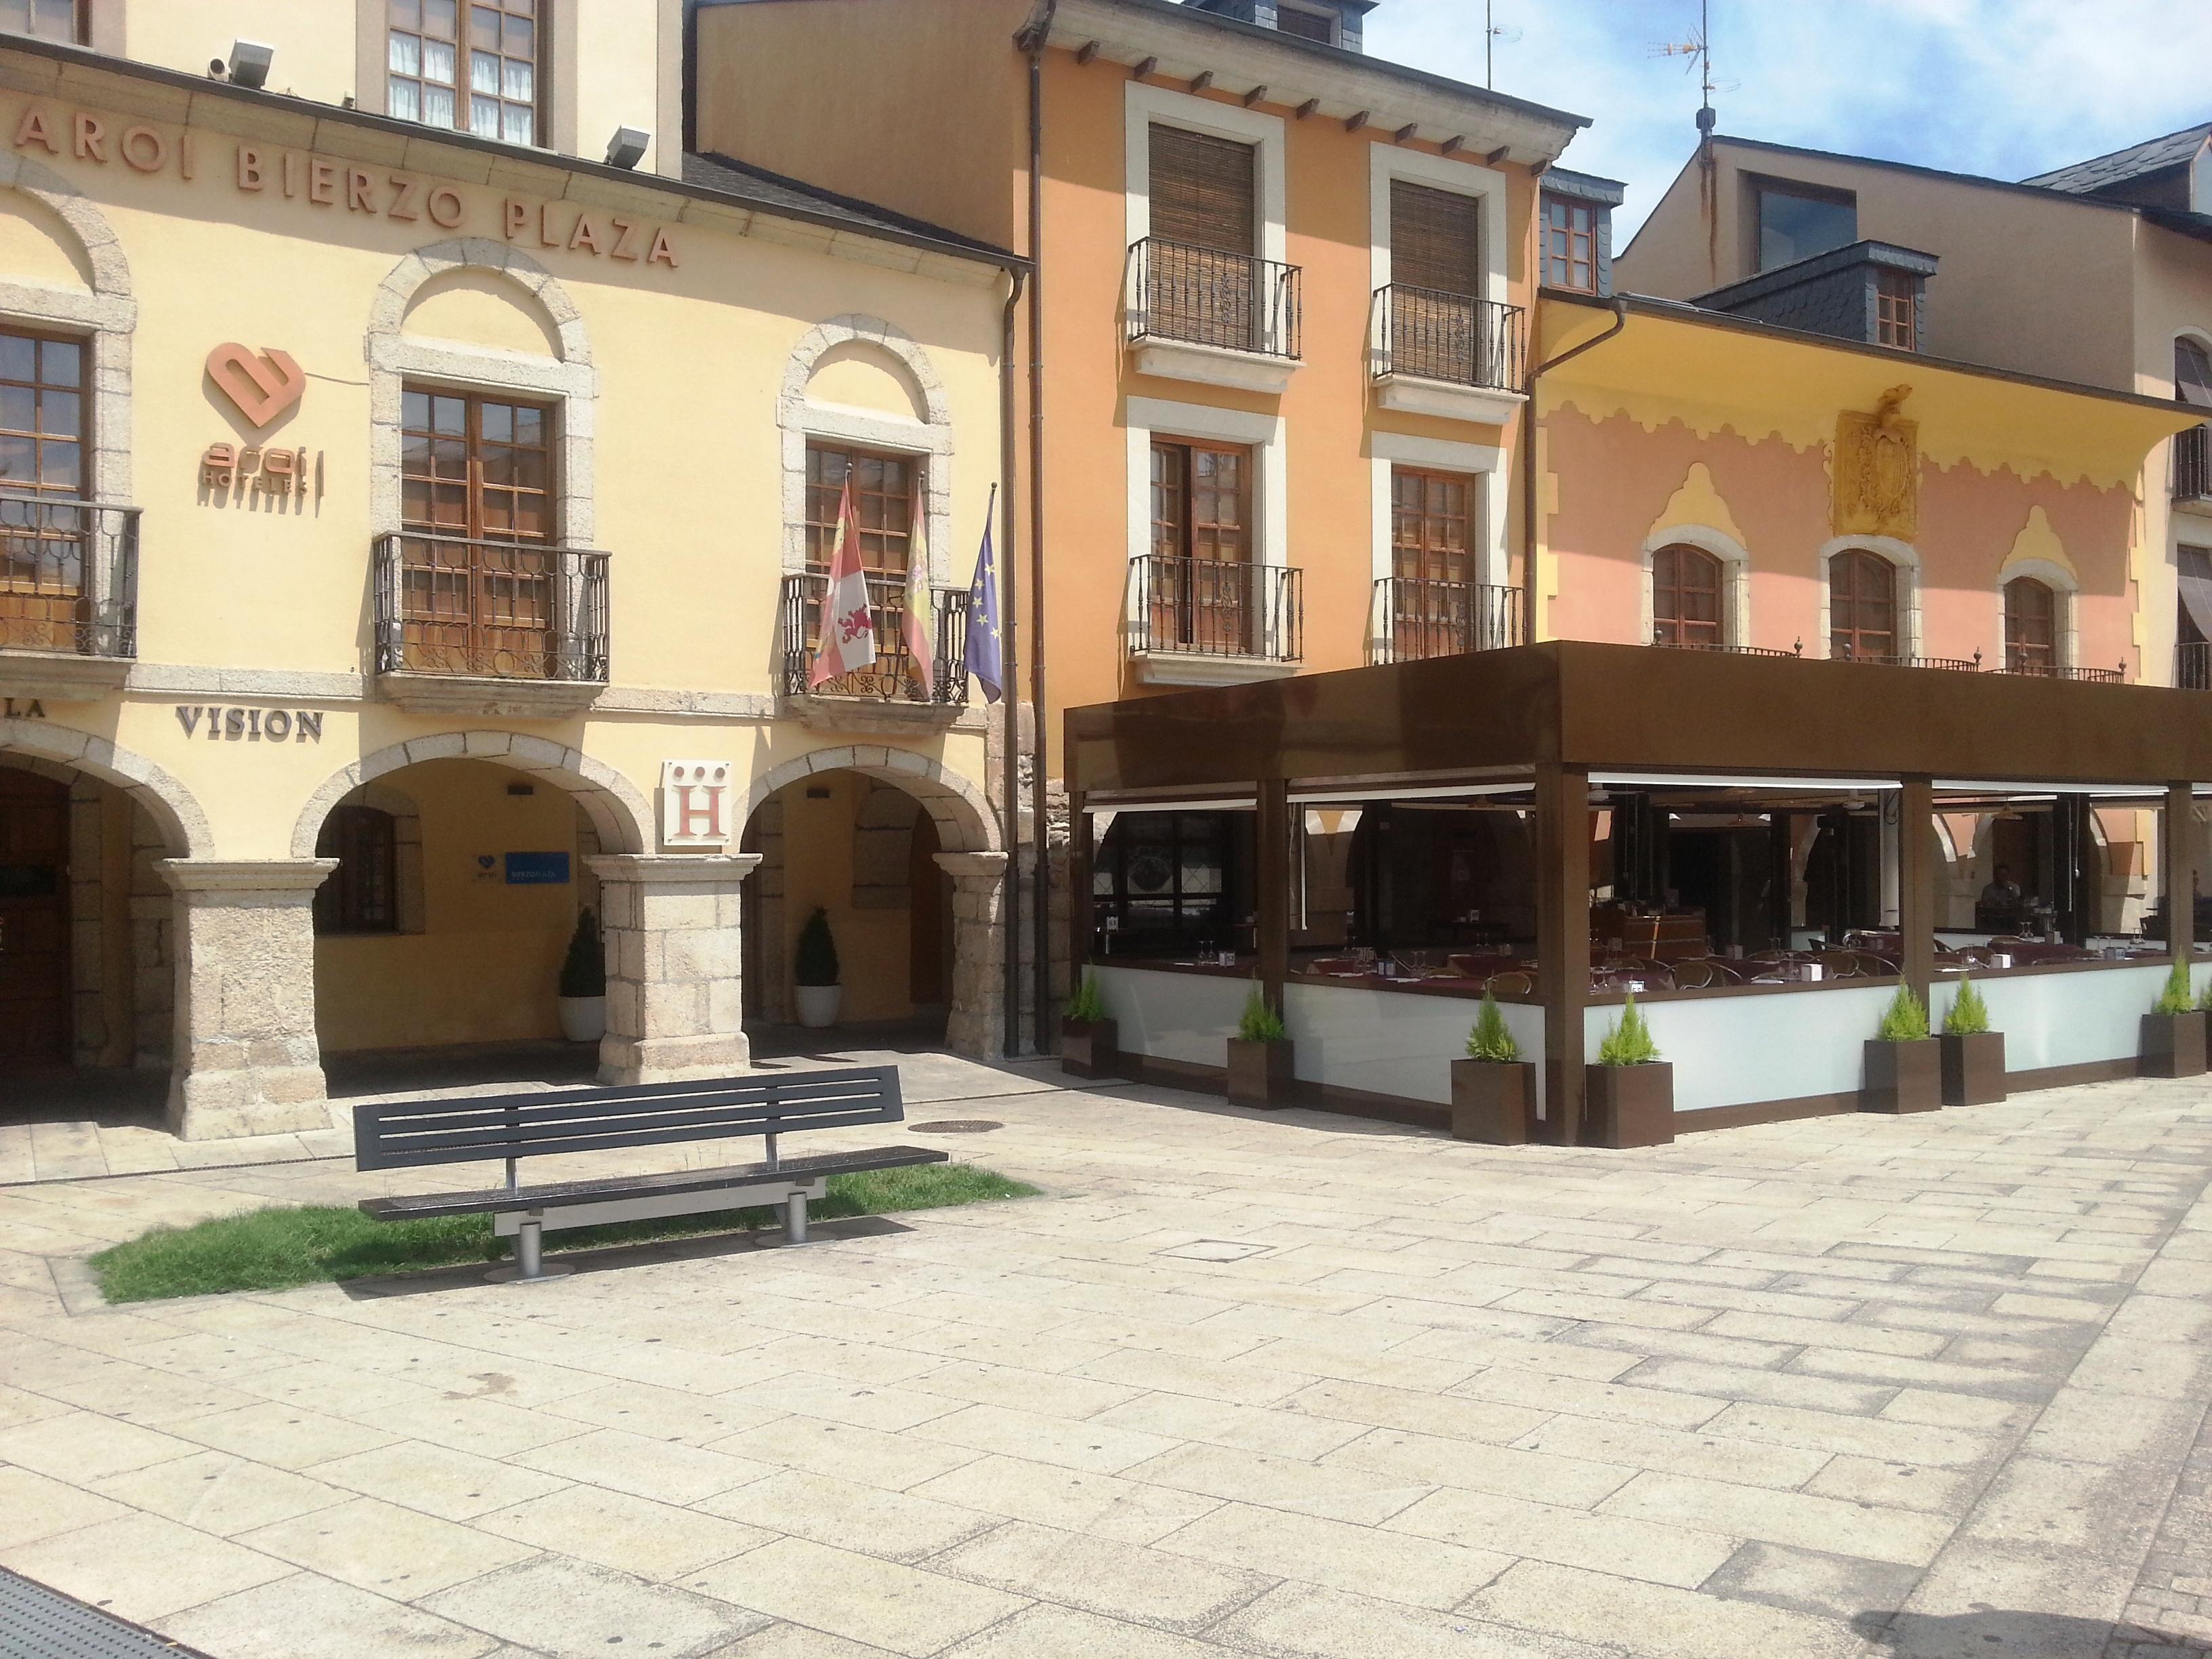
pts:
pixel 1260 1073
pixel 1630 1105
pixel 1494 1100
pixel 1089 1047
pixel 1903 1077
pixel 2173 1044
pixel 1973 1068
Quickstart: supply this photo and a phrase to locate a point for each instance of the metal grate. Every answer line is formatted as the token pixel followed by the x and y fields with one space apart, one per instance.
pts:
pixel 957 1126
pixel 38 1623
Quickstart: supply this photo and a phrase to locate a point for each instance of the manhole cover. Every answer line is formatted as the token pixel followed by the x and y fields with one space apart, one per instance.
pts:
pixel 1213 1250
pixel 958 1125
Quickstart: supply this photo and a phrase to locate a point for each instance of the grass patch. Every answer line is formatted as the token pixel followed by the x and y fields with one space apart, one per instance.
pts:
pixel 274 1250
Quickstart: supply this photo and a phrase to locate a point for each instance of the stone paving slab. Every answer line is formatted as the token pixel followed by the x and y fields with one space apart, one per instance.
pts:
pixel 1239 1383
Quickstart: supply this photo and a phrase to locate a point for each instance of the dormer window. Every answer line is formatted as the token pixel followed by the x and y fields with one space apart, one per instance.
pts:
pixel 465 65
pixel 44 20
pixel 1307 25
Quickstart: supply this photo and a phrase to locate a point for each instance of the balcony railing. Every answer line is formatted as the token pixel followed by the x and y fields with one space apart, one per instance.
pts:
pixel 1956 664
pixel 1415 618
pixel 2192 665
pixel 68 576
pixel 1436 336
pixel 1216 608
pixel 2051 670
pixel 486 609
pixel 2192 465
pixel 1203 296
pixel 893 678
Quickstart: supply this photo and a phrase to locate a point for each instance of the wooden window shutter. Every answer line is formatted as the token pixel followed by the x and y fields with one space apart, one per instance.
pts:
pixel 1435 239
pixel 1202 191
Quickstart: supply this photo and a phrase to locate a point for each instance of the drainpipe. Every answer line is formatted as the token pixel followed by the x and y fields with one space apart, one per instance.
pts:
pixel 1009 747
pixel 1528 461
pixel 1032 41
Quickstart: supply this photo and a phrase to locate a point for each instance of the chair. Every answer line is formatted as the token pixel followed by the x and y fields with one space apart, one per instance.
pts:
pixel 1512 983
pixel 1694 975
pixel 1838 964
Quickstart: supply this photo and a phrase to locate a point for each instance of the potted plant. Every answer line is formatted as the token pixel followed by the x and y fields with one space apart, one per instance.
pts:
pixel 1631 1090
pixel 1090 1043
pixel 1260 1055
pixel 1973 1056
pixel 1493 1089
pixel 583 988
pixel 2173 1031
pixel 1904 1064
pixel 814 972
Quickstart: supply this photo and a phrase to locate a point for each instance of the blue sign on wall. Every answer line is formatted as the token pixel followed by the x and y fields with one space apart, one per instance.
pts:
pixel 537 869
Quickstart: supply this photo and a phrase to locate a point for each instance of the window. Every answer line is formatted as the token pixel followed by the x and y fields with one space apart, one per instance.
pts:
pixel 883 489
pixel 44 20
pixel 1202 191
pixel 43 541
pixel 2192 374
pixel 2031 624
pixel 1685 597
pixel 1431 514
pixel 1160 882
pixel 363 894
pixel 1570 244
pixel 479 574
pixel 1862 606
pixel 1200 596
pixel 1306 25
pixel 1896 303
pixel 469 65
pixel 1435 239
pixel 1796 221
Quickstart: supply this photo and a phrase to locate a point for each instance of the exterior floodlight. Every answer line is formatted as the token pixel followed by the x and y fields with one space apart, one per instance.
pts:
pixel 627 148
pixel 249 64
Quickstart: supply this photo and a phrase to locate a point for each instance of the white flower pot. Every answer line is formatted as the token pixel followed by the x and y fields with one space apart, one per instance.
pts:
pixel 818 1004
pixel 583 1019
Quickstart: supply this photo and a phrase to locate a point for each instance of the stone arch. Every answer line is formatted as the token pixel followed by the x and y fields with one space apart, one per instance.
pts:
pixel 175 813
pixel 800 418
pixel 965 820
pixel 620 814
pixel 108 312
pixel 569 378
pixel 1903 557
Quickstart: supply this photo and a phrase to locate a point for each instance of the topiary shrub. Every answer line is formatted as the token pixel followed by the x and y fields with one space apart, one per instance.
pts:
pixel 1086 1006
pixel 584 970
pixel 1628 1040
pixel 1259 1023
pixel 1969 1015
pixel 2177 998
pixel 816 960
pixel 1905 1020
pixel 1490 1040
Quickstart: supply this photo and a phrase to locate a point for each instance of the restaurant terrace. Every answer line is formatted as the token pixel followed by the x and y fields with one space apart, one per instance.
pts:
pixel 1747 843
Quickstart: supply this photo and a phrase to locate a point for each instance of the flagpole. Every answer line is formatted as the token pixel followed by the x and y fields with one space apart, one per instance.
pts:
pixel 1010 909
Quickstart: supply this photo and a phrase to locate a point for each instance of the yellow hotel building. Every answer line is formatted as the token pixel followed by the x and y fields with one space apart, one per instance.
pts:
pixel 412 531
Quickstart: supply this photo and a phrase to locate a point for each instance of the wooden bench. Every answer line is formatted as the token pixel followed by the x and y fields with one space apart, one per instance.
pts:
pixel 418 1133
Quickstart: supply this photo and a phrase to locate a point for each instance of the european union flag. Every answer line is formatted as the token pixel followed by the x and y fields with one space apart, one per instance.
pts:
pixel 986 660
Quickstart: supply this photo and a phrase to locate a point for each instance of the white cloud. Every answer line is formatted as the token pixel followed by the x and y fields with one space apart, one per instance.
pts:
pixel 2001 87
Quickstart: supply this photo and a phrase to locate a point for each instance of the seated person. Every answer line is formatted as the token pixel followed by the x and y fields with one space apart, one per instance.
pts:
pixel 2001 899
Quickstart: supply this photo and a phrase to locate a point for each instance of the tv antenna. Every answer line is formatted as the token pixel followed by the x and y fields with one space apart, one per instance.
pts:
pixel 1699 48
pixel 1492 33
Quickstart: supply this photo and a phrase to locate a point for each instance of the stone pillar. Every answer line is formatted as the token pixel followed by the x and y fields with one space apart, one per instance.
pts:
pixel 246 1062
pixel 976 1026
pixel 674 935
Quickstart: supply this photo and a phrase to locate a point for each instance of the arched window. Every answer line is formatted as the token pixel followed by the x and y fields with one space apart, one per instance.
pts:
pixel 2192 450
pixel 1685 597
pixel 2031 622
pixel 1862 607
pixel 2192 373
pixel 363 894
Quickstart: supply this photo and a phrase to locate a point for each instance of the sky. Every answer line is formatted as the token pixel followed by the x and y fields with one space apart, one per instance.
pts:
pixel 2000 87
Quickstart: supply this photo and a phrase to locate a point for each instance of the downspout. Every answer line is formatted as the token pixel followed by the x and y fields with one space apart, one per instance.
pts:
pixel 1041 901
pixel 1012 700
pixel 1529 512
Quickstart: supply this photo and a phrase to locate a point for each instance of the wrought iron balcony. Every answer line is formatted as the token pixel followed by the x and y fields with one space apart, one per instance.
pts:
pixel 894 678
pixel 512 611
pixel 1203 296
pixel 1414 617
pixel 1956 664
pixel 1726 648
pixel 1215 607
pixel 2051 670
pixel 68 577
pixel 2192 665
pixel 2192 465
pixel 1435 335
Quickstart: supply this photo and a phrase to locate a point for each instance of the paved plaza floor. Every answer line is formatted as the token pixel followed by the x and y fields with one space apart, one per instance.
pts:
pixel 1238 1383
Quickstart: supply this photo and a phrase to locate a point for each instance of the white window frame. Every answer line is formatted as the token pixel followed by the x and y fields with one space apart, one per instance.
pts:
pixel 1735 586
pixel 1906 558
pixel 1144 104
pixel 1388 162
pixel 2064 587
pixel 1388 450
